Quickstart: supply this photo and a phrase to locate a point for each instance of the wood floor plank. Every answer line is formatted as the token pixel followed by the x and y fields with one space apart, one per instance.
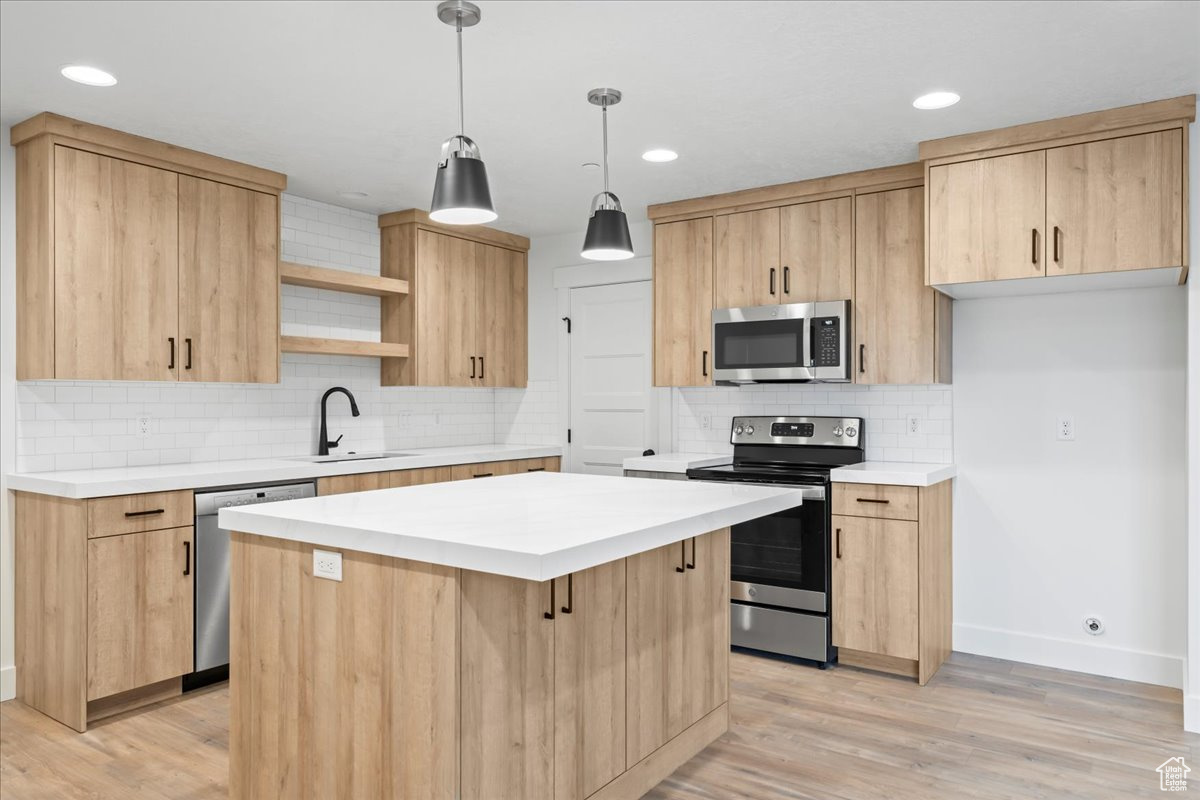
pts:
pixel 982 728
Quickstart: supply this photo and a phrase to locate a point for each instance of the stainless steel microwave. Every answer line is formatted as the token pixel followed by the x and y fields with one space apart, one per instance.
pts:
pixel 783 344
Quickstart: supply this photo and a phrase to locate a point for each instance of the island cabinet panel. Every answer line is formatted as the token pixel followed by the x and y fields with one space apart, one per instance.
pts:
pixel 1115 204
pixel 589 681
pixel 677 639
pixel 683 302
pixel 341 689
pixel 507 677
pixel 139 610
pixel 228 283
pixel 116 273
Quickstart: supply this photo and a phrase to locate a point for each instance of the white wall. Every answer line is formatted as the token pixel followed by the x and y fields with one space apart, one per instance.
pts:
pixel 1191 706
pixel 1048 532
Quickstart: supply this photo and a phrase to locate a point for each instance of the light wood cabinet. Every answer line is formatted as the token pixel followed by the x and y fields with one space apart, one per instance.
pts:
pixel 465 317
pixel 133 254
pixel 677 625
pixel 817 251
pixel 901 326
pixel 228 283
pixel 987 219
pixel 116 290
pixel 1115 204
pixel 746 266
pixel 683 302
pixel 484 469
pixel 139 609
pixel 892 586
pixel 368 481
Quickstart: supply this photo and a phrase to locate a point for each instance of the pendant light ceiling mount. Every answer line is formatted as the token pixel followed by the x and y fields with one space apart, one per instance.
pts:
pixel 461 195
pixel 607 237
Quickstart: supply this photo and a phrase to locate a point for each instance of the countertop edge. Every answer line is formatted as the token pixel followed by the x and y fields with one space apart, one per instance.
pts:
pixel 920 475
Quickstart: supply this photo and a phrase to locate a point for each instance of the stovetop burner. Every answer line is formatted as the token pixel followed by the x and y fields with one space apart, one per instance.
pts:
pixel 792 450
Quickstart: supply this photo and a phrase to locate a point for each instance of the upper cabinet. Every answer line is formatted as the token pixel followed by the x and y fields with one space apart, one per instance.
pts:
pixel 817 251
pixel 141 261
pixel 465 316
pixel 1098 193
pixel 746 268
pixel 683 302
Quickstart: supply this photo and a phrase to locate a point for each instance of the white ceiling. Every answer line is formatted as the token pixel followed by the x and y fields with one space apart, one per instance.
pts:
pixel 359 95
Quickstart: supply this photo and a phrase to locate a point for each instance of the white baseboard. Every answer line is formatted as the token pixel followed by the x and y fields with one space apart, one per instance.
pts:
pixel 1191 713
pixel 1096 659
pixel 8 683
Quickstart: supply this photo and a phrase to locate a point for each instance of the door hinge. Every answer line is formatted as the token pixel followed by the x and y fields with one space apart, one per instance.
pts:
pixel 568 321
pixel 568 435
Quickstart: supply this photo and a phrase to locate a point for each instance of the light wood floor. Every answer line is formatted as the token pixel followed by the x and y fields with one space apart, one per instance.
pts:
pixel 981 729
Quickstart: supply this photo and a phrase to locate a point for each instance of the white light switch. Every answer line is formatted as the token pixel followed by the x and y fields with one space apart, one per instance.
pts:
pixel 327 564
pixel 1065 430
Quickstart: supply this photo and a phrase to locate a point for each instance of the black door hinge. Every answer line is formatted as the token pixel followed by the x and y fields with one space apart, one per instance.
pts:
pixel 568 321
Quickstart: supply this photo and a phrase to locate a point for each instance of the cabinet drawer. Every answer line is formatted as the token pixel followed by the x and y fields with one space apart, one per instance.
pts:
pixel 875 500
pixel 486 469
pixel 133 513
pixel 537 465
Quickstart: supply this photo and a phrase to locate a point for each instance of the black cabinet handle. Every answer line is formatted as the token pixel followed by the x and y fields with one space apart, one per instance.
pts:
pixel 171 340
pixel 787 280
pixel 692 564
pixel 472 367
pixel 704 363
pixel 536 469
pixel 1035 245
pixel 188 344
pixel 483 475
pixel 862 358
pixel 187 558
pixel 682 556
pixel 481 368
pixel 550 614
pixel 570 593
pixel 1057 233
pixel 772 280
pixel 147 513
pixel 839 542
pixel 872 500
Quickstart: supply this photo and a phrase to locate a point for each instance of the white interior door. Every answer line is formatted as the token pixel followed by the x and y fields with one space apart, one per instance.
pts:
pixel 612 411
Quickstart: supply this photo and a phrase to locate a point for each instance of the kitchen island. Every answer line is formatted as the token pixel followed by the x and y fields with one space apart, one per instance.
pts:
pixel 529 636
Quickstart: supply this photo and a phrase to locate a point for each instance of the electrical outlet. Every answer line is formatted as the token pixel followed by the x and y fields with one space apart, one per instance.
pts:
pixel 1065 429
pixel 144 425
pixel 705 421
pixel 914 425
pixel 327 564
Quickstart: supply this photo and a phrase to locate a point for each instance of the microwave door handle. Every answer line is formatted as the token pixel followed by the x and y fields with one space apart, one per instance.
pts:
pixel 807 356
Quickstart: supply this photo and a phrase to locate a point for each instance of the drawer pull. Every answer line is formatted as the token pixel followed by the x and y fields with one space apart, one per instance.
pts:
pixel 187 558
pixel 483 475
pixel 872 500
pixel 692 564
pixel 550 614
pixel 682 556
pixel 567 609
pixel 536 469
pixel 149 513
pixel 839 542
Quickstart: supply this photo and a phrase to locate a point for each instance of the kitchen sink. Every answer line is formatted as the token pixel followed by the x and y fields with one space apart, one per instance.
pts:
pixel 351 457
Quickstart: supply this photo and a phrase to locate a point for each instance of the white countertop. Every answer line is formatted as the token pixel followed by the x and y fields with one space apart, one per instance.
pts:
pixel 534 526
pixel 895 473
pixel 80 484
pixel 676 462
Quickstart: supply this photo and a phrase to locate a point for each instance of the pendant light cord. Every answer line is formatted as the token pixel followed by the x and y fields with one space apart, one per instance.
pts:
pixel 461 123
pixel 604 117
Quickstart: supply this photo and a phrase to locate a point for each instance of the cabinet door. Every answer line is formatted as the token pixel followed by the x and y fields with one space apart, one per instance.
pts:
pixel 683 302
pixel 652 586
pixel 986 219
pixel 139 609
pixel 1116 204
pixel 703 625
pixel 116 268
pixel 875 586
pixel 228 283
pixel 893 308
pixel 503 305
pixel 418 477
pixel 486 469
pixel 446 309
pixel 507 688
pixel 746 269
pixel 817 251
pixel 589 681
pixel 344 484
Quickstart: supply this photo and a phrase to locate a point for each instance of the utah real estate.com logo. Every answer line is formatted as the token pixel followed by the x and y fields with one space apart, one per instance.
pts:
pixel 1172 775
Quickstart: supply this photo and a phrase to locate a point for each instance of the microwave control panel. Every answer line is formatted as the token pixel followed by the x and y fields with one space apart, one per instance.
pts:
pixel 827 342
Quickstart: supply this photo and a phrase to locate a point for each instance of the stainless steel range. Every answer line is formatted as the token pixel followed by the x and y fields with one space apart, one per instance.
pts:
pixel 779 564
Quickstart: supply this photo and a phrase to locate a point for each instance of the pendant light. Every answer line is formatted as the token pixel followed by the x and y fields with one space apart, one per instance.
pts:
pixel 460 193
pixel 607 236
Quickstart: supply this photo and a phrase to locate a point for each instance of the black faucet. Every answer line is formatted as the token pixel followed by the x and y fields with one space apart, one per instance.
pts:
pixel 324 444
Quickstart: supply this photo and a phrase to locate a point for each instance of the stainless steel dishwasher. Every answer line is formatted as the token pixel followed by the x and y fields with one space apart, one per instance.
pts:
pixel 212 567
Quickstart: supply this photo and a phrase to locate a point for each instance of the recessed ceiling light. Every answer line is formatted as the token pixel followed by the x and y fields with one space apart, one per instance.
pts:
pixel 590 165
pixel 353 195
pixel 90 76
pixel 659 156
pixel 928 102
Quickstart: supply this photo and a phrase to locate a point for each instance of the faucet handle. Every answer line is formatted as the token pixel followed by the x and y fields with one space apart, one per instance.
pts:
pixel 334 443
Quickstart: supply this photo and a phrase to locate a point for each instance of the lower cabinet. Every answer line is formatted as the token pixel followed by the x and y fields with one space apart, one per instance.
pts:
pixel 368 481
pixel 892 587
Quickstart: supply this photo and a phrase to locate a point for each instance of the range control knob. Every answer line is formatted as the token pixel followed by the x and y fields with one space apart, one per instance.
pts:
pixel 852 432
pixel 837 430
pixel 750 429
pixel 752 591
pixel 739 430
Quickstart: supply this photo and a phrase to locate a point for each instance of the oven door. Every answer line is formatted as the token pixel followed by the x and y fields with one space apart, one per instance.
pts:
pixel 782 560
pixel 795 342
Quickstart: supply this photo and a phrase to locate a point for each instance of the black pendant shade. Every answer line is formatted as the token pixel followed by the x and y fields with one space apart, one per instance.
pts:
pixel 607 236
pixel 460 193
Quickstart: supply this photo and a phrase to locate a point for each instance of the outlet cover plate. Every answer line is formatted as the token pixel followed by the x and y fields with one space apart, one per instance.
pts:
pixel 327 564
pixel 1065 428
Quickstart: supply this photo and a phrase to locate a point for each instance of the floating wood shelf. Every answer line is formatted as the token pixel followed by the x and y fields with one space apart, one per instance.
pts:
pixel 341 347
pixel 340 280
